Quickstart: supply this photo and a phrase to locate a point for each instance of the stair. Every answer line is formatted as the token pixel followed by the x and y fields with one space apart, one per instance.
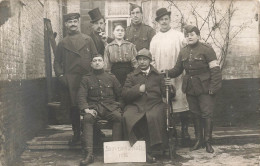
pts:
pixel 55 137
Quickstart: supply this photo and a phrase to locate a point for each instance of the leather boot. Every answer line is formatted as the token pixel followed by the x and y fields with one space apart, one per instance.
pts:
pixel 88 139
pixel 198 132
pixel 208 134
pixel 75 138
pixel 75 120
pixel 185 137
pixel 117 131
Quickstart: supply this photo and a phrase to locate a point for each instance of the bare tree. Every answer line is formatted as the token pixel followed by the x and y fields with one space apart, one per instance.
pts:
pixel 216 22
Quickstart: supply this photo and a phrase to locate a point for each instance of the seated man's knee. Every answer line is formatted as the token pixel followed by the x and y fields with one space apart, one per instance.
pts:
pixel 117 117
pixel 88 118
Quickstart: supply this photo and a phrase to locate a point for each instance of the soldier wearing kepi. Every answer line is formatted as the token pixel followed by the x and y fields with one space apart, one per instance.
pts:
pixel 98 34
pixel 201 82
pixel 71 62
pixel 138 33
pixel 99 97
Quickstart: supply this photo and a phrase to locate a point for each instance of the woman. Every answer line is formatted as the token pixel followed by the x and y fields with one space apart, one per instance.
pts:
pixel 200 83
pixel 120 55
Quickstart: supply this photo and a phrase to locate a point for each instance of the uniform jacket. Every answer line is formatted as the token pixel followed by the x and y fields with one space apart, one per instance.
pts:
pixel 72 60
pixel 149 103
pixel 140 35
pixel 114 53
pixel 100 88
pixel 98 42
pixel 202 71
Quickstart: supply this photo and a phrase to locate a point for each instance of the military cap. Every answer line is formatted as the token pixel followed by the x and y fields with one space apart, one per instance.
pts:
pixel 191 28
pixel 144 52
pixel 161 12
pixel 71 16
pixel 133 6
pixel 95 15
pixel 97 55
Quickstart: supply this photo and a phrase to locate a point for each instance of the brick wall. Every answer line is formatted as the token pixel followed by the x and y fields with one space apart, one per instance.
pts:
pixel 23 95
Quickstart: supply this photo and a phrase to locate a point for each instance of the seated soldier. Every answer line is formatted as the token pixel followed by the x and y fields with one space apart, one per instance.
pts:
pixel 144 115
pixel 99 97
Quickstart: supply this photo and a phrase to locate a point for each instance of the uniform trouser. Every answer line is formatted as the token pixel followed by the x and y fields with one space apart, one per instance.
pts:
pixel 202 107
pixel 89 121
pixel 75 120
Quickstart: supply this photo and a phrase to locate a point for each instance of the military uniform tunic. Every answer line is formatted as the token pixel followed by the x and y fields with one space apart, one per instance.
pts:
pixel 99 89
pixel 203 74
pixel 140 35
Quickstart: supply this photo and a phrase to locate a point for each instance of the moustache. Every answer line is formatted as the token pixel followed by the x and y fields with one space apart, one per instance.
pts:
pixel 73 26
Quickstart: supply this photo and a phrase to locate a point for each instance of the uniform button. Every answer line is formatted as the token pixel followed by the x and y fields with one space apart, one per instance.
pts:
pixel 190 77
pixel 191 54
pixel 99 80
pixel 100 86
pixel 101 92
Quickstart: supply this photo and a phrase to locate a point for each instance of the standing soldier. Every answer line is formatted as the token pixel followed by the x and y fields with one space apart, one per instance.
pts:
pixel 72 60
pixel 138 33
pixel 200 83
pixel 98 34
pixel 165 47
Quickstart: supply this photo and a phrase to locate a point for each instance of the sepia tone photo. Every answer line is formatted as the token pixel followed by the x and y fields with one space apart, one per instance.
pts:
pixel 129 82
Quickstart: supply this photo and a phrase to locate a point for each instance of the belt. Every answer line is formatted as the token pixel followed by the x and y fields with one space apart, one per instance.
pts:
pixel 196 72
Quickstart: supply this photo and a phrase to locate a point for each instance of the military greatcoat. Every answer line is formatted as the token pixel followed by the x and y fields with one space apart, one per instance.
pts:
pixel 72 60
pixel 147 104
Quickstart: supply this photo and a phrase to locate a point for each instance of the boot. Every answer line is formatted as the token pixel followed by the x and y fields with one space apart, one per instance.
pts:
pixel 208 134
pixel 88 139
pixel 185 137
pixel 149 158
pixel 87 160
pixel 198 132
pixel 75 119
pixel 75 138
pixel 117 131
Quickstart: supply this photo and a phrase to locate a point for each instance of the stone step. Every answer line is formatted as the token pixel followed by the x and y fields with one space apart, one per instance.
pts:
pixel 57 136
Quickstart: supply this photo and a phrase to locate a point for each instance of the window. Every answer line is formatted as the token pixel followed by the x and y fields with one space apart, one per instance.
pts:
pixel 117 11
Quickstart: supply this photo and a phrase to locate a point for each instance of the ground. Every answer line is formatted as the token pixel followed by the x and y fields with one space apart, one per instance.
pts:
pixel 233 147
pixel 225 155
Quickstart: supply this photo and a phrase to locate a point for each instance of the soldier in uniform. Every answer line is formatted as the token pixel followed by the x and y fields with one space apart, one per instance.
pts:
pixel 99 97
pixel 98 34
pixel 71 62
pixel 144 115
pixel 200 83
pixel 138 33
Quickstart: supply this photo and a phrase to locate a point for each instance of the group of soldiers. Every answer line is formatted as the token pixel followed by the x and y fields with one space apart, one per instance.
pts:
pixel 135 106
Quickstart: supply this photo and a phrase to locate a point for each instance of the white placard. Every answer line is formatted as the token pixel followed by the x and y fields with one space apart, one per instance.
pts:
pixel 121 151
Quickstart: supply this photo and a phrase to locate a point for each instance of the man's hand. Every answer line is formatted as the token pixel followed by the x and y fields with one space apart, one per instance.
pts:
pixel 103 36
pixel 210 92
pixel 142 88
pixel 91 111
pixel 168 81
